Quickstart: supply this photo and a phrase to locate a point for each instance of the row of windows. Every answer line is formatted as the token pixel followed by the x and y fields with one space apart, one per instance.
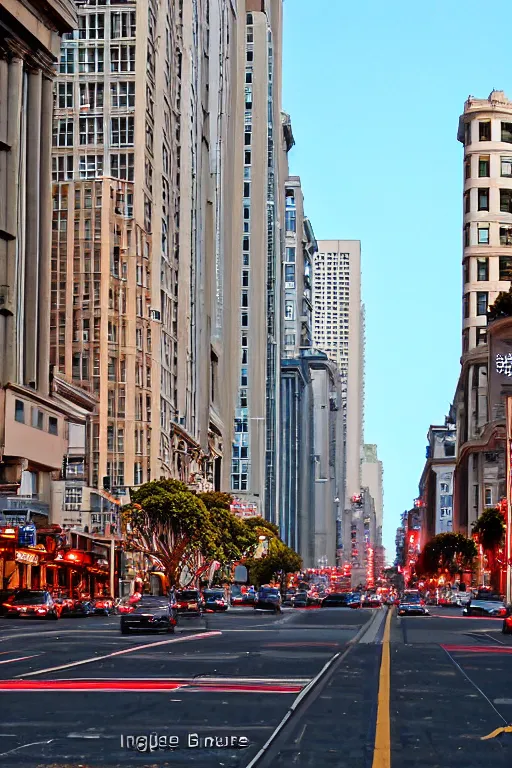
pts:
pixel 502 132
pixel 482 303
pixel 91 95
pixel 91 59
pixel 91 166
pixel 39 419
pixel 484 166
pixel 482 269
pixel 483 234
pixel 90 131
pixel 92 26
pixel 482 196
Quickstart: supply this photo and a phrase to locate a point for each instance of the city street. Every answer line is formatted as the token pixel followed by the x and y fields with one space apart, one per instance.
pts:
pixel 76 691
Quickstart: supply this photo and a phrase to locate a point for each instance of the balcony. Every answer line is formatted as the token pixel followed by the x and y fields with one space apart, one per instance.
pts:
pixel 19 505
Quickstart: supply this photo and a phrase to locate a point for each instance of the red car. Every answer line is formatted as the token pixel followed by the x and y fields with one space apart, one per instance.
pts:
pixel 31 603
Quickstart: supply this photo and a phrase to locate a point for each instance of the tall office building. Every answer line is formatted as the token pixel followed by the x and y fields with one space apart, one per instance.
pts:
pixel 485 130
pixel 144 247
pixel 337 320
pixel 255 468
pixel 372 478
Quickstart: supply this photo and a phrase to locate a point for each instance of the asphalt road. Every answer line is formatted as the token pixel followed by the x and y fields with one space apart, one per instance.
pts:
pixel 307 688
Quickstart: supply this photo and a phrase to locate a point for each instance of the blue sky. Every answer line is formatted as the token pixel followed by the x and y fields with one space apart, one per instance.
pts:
pixel 375 91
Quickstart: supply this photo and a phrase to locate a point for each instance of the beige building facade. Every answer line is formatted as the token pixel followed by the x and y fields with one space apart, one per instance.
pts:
pixel 485 130
pixel 145 252
pixel 337 331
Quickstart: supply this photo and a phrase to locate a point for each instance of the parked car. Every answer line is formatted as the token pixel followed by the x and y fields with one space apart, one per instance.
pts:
pixel 215 600
pixel 103 606
pixel 268 598
pixel 485 603
pixel 507 622
pixel 5 596
pixel 150 614
pixel 71 607
pixel 189 602
pixel 32 603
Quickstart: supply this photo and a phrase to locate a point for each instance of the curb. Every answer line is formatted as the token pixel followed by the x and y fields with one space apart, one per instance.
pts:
pixel 371 628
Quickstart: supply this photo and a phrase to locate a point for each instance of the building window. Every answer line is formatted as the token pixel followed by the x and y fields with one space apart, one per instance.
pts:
pixel 465 305
pixel 289 275
pixel 465 340
pixel 91 130
pixel 245 319
pixel 481 336
pixel 73 495
pixel 467 202
pixel 37 418
pixel 91 26
pixel 62 168
pixel 467 234
pixel 67 61
pixel 465 271
pixel 122 165
pixel 90 166
pixel 19 411
pixel 91 95
pixel 483 199
pixel 290 220
pixel 482 302
pixel 122 58
pixel 63 132
pixel 484 130
pixel 483 166
pixel 506 200
pixel 290 255
pixel 122 24
pixel 65 96
pixel 53 425
pixel 505 235
pixel 488 497
pixel 449 449
pixel 289 339
pixel 467 167
pixel 506 166
pixel 506 268
pixel 122 131
pixel 483 235
pixel 506 132
pixel 289 310
pixel 123 94
pixel 482 269
pixel 90 60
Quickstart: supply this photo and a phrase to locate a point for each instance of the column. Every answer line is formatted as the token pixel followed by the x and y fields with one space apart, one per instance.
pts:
pixel 45 237
pixel 32 226
pixel 12 196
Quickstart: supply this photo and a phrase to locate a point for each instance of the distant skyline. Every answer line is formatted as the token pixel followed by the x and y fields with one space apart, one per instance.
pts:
pixel 374 93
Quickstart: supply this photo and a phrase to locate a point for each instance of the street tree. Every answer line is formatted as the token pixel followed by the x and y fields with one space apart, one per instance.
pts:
pixel 450 552
pixel 172 525
pixel 278 561
pixel 233 538
pixel 490 530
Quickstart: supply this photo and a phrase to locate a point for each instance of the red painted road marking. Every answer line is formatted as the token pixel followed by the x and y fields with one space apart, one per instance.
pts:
pixel 477 648
pixel 143 685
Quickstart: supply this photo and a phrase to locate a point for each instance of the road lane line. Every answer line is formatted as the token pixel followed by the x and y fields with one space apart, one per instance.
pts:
pixel 122 652
pixel 20 658
pixel 476 648
pixel 382 747
pixel 475 686
pixel 141 686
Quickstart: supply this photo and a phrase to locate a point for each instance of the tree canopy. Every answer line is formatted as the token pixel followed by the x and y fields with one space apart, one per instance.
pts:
pixel 490 529
pixel 446 551
pixel 280 559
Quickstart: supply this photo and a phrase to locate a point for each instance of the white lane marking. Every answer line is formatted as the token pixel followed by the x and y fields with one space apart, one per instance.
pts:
pixel 502 701
pixel 199 678
pixel 293 707
pixel 24 746
pixel 88 736
pixel 132 649
pixel 20 658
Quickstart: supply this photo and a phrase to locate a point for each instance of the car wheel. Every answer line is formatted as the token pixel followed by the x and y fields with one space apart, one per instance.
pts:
pixel 53 616
pixel 170 629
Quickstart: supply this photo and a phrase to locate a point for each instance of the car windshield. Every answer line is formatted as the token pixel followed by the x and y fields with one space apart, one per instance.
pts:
pixel 216 595
pixel 188 594
pixel 30 598
pixel 489 596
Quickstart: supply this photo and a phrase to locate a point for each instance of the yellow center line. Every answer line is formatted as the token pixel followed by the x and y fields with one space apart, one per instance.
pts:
pixel 382 748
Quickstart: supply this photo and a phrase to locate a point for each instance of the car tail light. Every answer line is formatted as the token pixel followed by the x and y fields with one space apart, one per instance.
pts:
pixel 42 610
pixel 7 605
